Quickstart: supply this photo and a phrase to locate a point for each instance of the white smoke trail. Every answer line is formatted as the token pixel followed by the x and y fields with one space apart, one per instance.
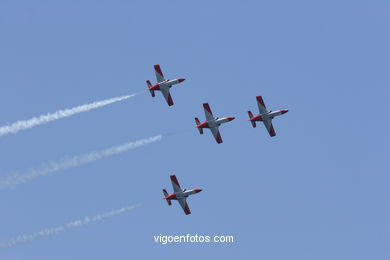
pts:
pixel 9 182
pixel 24 238
pixel 43 119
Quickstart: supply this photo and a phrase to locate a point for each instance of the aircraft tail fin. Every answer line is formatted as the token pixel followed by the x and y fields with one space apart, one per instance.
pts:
pixel 198 123
pixel 149 86
pixel 250 116
pixel 165 195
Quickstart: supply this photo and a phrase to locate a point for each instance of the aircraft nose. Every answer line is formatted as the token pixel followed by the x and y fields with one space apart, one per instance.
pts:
pixel 181 79
pixel 284 111
pixel 198 190
pixel 230 118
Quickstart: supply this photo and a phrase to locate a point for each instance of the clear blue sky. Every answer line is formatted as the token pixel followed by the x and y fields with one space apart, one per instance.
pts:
pixel 318 190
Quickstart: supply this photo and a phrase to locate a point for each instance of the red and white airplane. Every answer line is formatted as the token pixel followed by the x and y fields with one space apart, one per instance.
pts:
pixel 163 84
pixel 212 123
pixel 179 194
pixel 265 115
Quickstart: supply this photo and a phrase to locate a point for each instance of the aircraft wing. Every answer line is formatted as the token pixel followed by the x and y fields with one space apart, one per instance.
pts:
pixel 207 112
pixel 269 126
pixel 216 134
pixel 159 74
pixel 184 205
pixel 167 96
pixel 261 105
pixel 175 184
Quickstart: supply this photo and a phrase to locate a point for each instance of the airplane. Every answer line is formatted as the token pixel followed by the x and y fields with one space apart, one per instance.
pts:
pixel 265 116
pixel 179 194
pixel 212 123
pixel 163 84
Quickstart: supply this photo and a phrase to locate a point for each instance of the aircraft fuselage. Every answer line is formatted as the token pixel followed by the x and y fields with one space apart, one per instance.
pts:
pixel 269 115
pixel 216 122
pixel 182 194
pixel 166 84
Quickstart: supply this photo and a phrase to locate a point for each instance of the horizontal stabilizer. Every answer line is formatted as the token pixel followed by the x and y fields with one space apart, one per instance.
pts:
pixel 149 86
pixel 252 121
pixel 166 195
pixel 198 123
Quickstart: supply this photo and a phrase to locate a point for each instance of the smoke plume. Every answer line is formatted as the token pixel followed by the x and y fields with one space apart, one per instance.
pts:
pixel 43 119
pixel 24 238
pixel 10 181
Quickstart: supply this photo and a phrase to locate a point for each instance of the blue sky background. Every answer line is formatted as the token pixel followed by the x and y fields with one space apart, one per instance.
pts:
pixel 318 190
